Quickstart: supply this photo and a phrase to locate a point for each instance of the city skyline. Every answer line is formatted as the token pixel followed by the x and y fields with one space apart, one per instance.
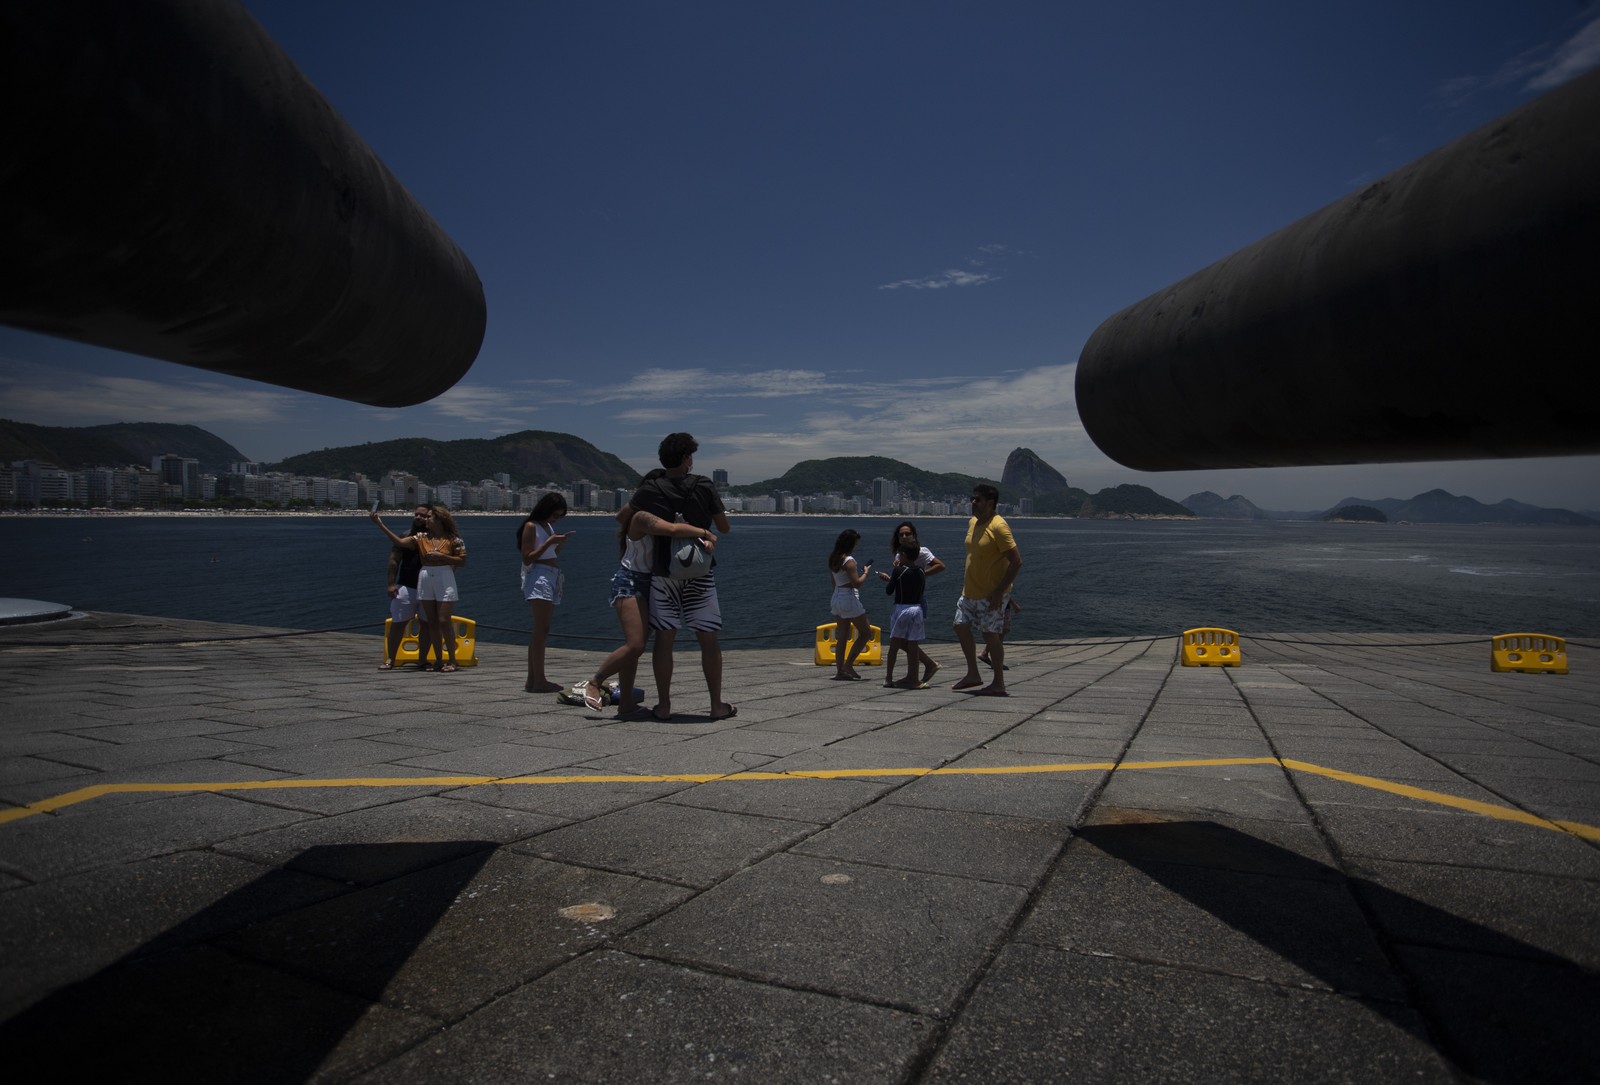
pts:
pixel 852 230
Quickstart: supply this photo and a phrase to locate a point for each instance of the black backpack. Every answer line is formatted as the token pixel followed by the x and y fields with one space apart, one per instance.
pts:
pixel 675 559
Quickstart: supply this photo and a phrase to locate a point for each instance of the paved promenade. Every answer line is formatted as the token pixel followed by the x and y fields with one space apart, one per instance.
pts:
pixel 265 860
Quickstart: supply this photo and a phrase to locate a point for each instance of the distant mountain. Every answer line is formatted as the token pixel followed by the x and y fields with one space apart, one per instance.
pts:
pixel 1361 513
pixel 1442 507
pixel 852 476
pixel 115 445
pixel 1025 473
pixel 1216 507
pixel 530 457
pixel 1129 500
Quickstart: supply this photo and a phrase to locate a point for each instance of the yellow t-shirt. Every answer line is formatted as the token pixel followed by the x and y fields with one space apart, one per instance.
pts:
pixel 987 547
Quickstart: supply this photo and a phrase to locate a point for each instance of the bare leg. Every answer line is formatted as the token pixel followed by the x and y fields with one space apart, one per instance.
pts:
pixel 430 630
pixel 841 641
pixel 929 667
pixel 711 667
pixel 661 665
pixel 969 648
pixel 624 661
pixel 543 613
pixel 397 632
pixel 895 644
pixel 425 638
pixel 996 644
pixel 445 630
pixel 888 662
pixel 863 637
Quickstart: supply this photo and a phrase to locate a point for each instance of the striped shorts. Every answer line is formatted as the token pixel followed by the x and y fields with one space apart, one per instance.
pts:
pixel 685 604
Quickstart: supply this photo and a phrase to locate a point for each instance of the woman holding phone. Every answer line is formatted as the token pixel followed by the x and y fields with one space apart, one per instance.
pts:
pixel 442 553
pixel 846 605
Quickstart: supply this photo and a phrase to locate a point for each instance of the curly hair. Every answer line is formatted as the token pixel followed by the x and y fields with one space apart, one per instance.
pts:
pixel 447 523
pixel 675 448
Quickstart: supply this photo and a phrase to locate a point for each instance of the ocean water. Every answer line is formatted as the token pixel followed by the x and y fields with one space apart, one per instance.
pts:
pixel 1080 578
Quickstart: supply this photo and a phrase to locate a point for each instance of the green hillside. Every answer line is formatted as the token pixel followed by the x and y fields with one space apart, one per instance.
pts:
pixel 852 476
pixel 115 445
pixel 531 457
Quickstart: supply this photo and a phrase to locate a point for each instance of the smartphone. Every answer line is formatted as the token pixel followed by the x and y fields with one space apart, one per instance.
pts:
pixel 374 506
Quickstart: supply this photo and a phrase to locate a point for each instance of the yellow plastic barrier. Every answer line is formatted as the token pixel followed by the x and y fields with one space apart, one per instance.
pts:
pixel 828 651
pixel 1536 653
pixel 1210 648
pixel 466 642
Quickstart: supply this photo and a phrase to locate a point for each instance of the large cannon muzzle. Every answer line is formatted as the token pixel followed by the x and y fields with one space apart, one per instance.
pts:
pixel 172 185
pixel 1447 311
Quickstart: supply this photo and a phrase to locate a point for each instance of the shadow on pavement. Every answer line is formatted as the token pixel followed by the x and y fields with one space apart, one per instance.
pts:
pixel 182 1008
pixel 1498 1008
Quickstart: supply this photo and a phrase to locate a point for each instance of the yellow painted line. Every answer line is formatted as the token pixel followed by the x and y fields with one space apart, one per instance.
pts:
pixel 1487 809
pixel 1439 798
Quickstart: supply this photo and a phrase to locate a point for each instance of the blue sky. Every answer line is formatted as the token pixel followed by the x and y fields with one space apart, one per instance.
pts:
pixel 828 229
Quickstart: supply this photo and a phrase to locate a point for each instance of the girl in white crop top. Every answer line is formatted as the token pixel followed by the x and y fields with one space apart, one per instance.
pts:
pixel 540 546
pixel 846 605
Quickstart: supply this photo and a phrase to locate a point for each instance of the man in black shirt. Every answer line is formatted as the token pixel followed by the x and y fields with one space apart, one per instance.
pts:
pixel 677 604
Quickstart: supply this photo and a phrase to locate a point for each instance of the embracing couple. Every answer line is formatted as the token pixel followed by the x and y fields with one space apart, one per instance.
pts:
pixel 670 504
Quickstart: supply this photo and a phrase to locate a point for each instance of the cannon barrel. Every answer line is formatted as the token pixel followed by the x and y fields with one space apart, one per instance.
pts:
pixel 1444 312
pixel 172 185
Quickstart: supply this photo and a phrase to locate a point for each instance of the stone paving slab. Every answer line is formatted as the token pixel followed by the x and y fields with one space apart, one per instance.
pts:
pixel 1131 1021
pixel 610 1010
pixel 845 928
pixel 843 882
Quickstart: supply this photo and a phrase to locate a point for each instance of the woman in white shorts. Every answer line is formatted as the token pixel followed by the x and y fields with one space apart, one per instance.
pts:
pixel 540 545
pixel 442 553
pixel 906 532
pixel 846 605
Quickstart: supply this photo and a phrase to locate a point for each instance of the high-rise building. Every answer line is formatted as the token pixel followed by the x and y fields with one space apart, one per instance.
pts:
pixel 180 476
pixel 719 476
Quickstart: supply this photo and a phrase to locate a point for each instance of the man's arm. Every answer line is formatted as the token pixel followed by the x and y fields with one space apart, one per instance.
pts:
pixel 711 502
pixel 1013 567
pixel 648 523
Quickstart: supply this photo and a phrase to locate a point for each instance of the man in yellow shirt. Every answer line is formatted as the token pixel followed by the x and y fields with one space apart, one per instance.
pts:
pixel 992 567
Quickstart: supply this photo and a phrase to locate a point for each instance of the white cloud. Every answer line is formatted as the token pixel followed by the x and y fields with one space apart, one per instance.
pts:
pixel 691 384
pixel 952 277
pixel 40 395
pixel 651 416
pixel 939 425
pixel 1538 69
pixel 1572 58
pixel 481 405
pixel 956 277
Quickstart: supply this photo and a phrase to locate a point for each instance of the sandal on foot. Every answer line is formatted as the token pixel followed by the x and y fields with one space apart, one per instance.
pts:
pixel 448 668
pixel 594 702
pixel 386 666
